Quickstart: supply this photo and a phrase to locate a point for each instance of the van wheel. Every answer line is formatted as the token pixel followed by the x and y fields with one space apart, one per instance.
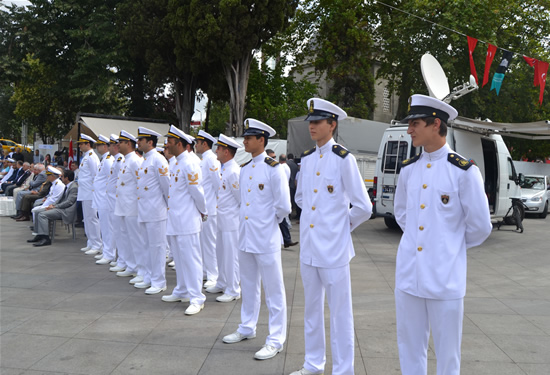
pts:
pixel 544 212
pixel 391 223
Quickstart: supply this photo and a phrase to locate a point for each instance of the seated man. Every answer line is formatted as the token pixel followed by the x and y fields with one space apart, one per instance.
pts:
pixel 30 187
pixel 17 170
pixel 29 200
pixel 20 180
pixel 64 208
pixel 56 191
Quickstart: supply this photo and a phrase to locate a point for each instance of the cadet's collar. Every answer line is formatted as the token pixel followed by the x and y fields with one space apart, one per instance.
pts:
pixel 105 154
pixel 438 154
pixel 150 152
pixel 206 152
pixel 326 147
pixel 182 155
pixel 229 162
pixel 260 157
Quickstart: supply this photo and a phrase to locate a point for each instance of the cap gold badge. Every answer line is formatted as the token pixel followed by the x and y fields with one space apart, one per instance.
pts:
pixel 311 107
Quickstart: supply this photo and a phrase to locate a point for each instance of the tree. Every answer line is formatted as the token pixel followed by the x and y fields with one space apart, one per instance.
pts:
pixel 334 37
pixel 275 98
pixel 230 31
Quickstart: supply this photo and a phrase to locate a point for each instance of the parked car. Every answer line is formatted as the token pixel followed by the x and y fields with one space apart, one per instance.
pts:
pixel 535 194
pixel 7 146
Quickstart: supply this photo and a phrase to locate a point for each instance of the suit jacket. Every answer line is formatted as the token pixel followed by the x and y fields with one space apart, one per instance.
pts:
pixel 15 175
pixel 21 179
pixel 37 181
pixel 67 203
pixel 44 189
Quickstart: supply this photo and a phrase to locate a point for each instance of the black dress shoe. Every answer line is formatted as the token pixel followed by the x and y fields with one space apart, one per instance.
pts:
pixel 290 244
pixel 35 239
pixel 43 242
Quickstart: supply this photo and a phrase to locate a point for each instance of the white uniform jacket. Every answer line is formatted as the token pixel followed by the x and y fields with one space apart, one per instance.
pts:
pixel 210 167
pixel 118 161
pixel 229 197
pixel 186 199
pixel 56 191
pixel 86 174
pixel 440 204
pixel 265 202
pixel 153 182
pixel 171 163
pixel 100 182
pixel 329 182
pixel 126 188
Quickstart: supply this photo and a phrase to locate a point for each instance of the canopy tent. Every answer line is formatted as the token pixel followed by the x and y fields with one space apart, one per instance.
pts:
pixel 538 130
pixel 357 135
pixel 93 125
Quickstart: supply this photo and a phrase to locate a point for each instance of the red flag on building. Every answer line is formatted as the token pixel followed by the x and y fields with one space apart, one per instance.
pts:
pixel 472 42
pixel 71 155
pixel 533 62
pixel 542 70
pixel 488 61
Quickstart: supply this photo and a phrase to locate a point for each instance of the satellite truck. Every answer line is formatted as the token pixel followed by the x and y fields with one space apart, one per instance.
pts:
pixel 477 141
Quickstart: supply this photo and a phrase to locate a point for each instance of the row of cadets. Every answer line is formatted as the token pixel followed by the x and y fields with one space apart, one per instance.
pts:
pixel 99 196
pixel 227 237
pixel 186 212
pixel 87 171
pixel 210 168
pixel 128 242
pixel 56 191
pixel 153 180
pixel 265 202
pixel 109 249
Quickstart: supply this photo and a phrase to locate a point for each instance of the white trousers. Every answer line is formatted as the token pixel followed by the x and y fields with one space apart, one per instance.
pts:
pixel 91 225
pixel 208 247
pixel 266 268
pixel 336 283
pixel 128 241
pixel 228 262
pixel 186 250
pixel 154 252
pixel 415 316
pixel 105 225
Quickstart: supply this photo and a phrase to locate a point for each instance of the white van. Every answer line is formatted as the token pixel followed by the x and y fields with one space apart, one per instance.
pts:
pixel 486 150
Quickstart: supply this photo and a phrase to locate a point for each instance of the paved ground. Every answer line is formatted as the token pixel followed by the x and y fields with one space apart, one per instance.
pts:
pixel 61 313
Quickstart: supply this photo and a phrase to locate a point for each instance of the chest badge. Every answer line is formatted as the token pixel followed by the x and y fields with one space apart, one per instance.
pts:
pixel 176 178
pixel 330 189
pixel 223 186
pixel 261 186
pixel 145 171
pixel 445 199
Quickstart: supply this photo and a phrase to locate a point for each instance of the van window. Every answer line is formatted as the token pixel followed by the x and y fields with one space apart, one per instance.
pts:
pixel 394 154
pixel 511 170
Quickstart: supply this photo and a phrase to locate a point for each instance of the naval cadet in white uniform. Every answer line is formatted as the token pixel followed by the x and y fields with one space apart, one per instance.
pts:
pixel 99 194
pixel 129 241
pixel 329 182
pixel 152 187
pixel 86 174
pixel 227 238
pixel 440 204
pixel 110 255
pixel 265 202
pixel 56 191
pixel 186 212
pixel 210 167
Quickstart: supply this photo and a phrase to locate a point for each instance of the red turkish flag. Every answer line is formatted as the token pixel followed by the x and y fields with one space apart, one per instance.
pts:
pixel 542 69
pixel 71 155
pixel 488 61
pixel 471 47
pixel 533 62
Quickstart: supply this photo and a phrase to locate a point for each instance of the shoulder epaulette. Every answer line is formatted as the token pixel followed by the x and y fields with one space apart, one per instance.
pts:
pixel 242 165
pixel 459 161
pixel 271 162
pixel 119 158
pixel 308 152
pixel 340 151
pixel 91 152
pixel 108 156
pixel 406 162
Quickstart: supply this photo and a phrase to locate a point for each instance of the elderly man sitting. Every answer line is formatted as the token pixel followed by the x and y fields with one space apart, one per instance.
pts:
pixel 64 208
pixel 22 177
pixel 31 187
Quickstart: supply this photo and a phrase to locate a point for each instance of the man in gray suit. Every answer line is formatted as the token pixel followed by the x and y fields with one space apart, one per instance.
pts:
pixel 64 208
pixel 38 179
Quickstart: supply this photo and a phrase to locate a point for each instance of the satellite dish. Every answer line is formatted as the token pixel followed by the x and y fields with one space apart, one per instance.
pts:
pixel 434 77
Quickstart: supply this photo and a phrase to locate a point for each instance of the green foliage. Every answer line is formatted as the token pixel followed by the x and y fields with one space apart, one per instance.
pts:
pixel 218 118
pixel 275 98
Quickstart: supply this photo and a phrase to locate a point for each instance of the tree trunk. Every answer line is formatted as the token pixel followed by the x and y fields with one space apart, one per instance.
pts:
pixel 185 89
pixel 237 75
pixel 404 93
pixel 207 120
